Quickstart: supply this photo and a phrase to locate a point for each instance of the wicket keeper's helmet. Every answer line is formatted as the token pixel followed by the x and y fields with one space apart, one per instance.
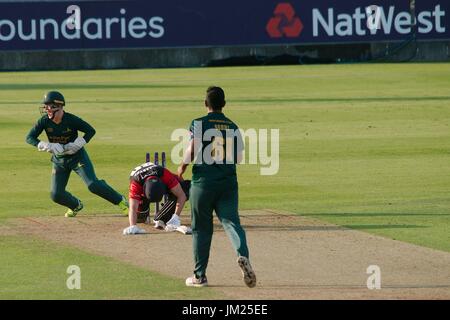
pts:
pixel 154 189
pixel 54 97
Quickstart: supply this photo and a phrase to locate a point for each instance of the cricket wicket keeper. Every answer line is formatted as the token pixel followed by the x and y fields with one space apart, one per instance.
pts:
pixel 69 154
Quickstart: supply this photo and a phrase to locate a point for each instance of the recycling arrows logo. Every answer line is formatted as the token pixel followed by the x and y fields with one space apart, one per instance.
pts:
pixel 284 23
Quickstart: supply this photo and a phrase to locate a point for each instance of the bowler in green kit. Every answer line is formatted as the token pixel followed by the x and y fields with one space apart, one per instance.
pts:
pixel 215 147
pixel 69 154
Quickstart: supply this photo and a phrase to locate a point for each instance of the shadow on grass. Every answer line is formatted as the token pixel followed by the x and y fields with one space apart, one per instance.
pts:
pixel 268 227
pixel 101 101
pixel 373 214
pixel 330 228
pixel 290 222
pixel 50 86
pixel 365 99
pixel 381 226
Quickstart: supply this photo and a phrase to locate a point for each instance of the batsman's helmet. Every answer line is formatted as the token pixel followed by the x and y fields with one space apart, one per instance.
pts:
pixel 54 97
pixel 154 189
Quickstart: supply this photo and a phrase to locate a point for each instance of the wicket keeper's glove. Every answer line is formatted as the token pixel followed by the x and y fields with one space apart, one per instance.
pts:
pixel 43 146
pixel 74 147
pixel 55 148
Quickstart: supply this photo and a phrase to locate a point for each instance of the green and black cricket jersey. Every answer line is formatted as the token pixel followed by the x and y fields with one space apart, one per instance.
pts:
pixel 215 187
pixel 223 171
pixel 64 132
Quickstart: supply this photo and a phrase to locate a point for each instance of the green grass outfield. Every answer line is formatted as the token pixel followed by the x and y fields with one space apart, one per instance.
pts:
pixel 365 146
pixel 34 269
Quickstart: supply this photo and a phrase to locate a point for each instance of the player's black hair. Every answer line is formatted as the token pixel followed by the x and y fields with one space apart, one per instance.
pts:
pixel 215 98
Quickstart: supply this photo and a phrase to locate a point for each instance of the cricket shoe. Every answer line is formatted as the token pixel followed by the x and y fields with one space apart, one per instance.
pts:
pixel 196 282
pixel 123 205
pixel 159 224
pixel 247 271
pixel 71 213
pixel 133 230
pixel 173 223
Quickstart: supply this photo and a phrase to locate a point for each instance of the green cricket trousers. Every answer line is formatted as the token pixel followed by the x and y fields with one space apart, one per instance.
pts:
pixel 82 165
pixel 223 199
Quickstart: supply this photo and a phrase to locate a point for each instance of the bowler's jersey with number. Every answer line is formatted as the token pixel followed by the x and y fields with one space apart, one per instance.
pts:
pixel 221 141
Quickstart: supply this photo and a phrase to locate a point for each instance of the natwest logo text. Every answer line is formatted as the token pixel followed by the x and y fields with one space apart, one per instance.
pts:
pixel 389 21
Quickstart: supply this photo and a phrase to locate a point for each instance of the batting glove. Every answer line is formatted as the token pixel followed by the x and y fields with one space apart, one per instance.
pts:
pixel 133 230
pixel 175 220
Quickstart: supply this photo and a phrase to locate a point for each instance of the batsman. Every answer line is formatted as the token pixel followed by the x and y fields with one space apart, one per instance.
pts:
pixel 69 154
pixel 149 182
